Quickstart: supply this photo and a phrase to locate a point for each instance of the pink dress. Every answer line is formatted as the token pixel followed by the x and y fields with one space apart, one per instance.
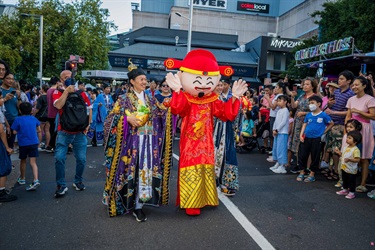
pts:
pixel 363 104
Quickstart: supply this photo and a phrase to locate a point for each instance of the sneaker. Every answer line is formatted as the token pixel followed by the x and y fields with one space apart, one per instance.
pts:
pixel 338 184
pixel 21 181
pixel 361 189
pixel 350 196
pixel 342 192
pixel 270 159
pixel 60 191
pixel 294 170
pixel 280 170
pixel 33 186
pixel 324 164
pixel 49 149
pixel 275 166
pixel 79 186
pixel 371 194
pixel 5 196
pixel 42 148
pixel 139 215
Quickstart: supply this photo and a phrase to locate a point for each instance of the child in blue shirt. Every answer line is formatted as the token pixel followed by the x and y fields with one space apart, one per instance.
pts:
pixel 29 134
pixel 316 124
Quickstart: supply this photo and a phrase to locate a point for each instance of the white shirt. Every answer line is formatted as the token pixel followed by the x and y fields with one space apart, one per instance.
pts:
pixel 282 121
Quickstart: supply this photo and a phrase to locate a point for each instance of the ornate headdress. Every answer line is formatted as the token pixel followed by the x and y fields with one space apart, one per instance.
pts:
pixel 199 62
pixel 134 71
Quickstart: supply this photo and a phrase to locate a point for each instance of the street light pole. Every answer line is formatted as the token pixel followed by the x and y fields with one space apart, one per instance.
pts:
pixel 190 26
pixel 41 51
pixel 190 19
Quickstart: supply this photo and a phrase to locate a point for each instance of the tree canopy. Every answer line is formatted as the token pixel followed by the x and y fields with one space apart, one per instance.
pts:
pixel 79 28
pixel 340 19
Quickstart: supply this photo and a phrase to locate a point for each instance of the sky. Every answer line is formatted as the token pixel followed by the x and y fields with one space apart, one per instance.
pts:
pixel 120 12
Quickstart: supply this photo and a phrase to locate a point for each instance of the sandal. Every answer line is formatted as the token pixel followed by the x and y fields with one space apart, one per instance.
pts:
pixel 228 192
pixel 327 173
pixel 300 177
pixel 310 179
pixel 361 189
pixel 333 176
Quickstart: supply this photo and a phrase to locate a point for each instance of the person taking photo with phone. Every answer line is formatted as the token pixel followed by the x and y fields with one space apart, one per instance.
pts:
pixel 11 99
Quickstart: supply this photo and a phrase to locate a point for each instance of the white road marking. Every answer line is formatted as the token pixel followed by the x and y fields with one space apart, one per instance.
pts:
pixel 254 233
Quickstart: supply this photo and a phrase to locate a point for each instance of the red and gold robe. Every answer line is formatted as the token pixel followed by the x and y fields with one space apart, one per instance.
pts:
pixel 196 173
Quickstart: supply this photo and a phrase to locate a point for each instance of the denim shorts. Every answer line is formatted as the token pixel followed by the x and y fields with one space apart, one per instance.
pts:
pixel 28 151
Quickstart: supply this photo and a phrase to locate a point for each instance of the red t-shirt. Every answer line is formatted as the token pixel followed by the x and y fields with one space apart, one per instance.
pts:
pixel 52 111
pixel 57 94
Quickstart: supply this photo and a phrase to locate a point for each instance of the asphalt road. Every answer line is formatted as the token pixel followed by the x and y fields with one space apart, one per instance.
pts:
pixel 289 214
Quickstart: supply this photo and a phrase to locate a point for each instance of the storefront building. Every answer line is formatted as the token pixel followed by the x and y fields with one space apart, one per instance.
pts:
pixel 149 47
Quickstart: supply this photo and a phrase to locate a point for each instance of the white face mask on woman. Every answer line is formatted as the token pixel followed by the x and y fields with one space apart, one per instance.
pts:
pixel 312 107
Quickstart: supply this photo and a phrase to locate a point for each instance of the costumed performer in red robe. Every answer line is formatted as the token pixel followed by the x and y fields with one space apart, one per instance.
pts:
pixel 197 104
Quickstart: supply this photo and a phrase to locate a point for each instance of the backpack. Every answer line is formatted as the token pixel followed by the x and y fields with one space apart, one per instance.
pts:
pixel 74 116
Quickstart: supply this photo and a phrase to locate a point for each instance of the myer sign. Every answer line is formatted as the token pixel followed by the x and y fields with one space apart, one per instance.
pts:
pixel 218 4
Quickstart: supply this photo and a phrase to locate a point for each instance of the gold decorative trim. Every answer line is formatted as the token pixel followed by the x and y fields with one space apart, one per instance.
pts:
pixel 206 99
pixel 110 185
pixel 167 159
pixel 198 186
pixel 200 72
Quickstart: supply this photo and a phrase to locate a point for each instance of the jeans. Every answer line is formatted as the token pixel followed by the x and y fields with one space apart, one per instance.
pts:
pixel 280 149
pixel 79 142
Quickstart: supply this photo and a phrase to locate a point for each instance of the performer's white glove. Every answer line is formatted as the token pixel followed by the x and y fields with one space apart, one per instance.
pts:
pixel 239 88
pixel 174 81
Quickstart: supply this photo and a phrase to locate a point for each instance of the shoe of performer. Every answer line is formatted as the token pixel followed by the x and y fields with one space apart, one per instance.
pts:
pixel 193 211
pixel 139 215
pixel 227 192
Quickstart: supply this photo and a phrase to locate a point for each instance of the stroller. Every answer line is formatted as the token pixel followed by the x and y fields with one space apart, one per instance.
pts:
pixel 262 133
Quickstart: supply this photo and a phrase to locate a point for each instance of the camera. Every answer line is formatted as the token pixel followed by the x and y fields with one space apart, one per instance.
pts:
pixel 13 92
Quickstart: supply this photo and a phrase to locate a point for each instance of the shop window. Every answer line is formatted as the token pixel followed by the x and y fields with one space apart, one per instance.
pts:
pixel 276 61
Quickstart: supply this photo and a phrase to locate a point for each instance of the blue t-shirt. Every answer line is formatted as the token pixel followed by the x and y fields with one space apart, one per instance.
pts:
pixel 10 106
pixel 316 124
pixel 26 130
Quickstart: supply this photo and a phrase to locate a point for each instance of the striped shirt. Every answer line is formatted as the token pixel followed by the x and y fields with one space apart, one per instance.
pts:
pixel 341 99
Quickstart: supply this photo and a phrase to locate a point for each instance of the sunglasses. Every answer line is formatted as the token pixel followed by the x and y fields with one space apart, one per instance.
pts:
pixel 164 85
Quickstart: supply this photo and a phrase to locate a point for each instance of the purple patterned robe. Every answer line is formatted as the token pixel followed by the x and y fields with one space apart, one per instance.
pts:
pixel 138 161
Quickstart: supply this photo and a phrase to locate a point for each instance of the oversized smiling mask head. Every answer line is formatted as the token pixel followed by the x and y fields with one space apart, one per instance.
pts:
pixel 200 72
